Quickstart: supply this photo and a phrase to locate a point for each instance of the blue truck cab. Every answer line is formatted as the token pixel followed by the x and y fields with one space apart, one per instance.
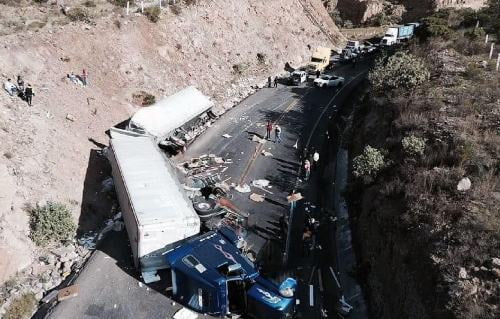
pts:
pixel 211 275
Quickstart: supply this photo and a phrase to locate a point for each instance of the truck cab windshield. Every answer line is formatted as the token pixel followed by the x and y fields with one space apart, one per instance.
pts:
pixel 317 60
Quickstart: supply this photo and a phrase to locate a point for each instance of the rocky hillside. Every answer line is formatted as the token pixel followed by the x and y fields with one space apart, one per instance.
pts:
pixel 223 47
pixel 386 11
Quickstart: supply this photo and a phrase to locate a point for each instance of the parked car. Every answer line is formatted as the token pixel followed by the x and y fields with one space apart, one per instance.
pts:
pixel 329 80
pixel 299 77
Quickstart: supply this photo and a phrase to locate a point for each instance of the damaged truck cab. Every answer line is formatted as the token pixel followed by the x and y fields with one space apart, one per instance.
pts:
pixel 211 275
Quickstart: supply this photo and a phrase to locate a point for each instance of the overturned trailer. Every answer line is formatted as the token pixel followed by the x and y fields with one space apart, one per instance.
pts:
pixel 176 120
pixel 156 212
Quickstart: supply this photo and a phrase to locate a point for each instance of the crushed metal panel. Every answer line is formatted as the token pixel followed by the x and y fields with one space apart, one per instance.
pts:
pixel 68 292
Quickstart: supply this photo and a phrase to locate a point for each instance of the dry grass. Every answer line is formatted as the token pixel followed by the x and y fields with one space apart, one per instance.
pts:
pixel 21 308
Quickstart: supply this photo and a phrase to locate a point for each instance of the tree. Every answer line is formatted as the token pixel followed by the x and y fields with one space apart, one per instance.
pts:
pixel 401 70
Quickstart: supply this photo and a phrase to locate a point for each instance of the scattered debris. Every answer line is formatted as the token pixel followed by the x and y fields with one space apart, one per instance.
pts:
pixel 51 296
pixel 462 274
pixel 464 184
pixel 68 292
pixel 257 197
pixel 260 183
pixel 243 188
pixel 266 153
pixel 226 136
pixel 107 185
pixel 185 313
pixel 294 197
pixel 257 139
pixel 70 117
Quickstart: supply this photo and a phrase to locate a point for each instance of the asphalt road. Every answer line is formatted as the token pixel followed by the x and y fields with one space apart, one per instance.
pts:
pixel 109 285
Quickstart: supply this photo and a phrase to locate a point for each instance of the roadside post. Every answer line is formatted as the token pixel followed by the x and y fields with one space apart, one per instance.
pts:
pixel 491 49
pixel 160 3
pixel 498 61
pixel 142 6
pixel 486 39
pixel 128 6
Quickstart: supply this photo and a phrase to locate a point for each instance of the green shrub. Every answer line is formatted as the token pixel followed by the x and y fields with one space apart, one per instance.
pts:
pixel 21 308
pixel 413 146
pixel 121 3
pixel 240 68
pixel 78 14
pixel 143 98
pixel 51 222
pixel 176 9
pixel 89 4
pixel 261 57
pixel 153 13
pixel 369 163
pixel 402 70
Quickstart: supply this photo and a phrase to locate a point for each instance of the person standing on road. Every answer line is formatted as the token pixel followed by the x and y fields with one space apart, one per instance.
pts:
pixel 28 92
pixel 318 73
pixel 277 134
pixel 307 169
pixel 275 81
pixel 315 160
pixel 269 82
pixel 269 129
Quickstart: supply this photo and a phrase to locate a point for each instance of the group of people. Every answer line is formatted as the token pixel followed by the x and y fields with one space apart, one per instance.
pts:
pixel 79 79
pixel 24 92
pixel 277 132
pixel 270 82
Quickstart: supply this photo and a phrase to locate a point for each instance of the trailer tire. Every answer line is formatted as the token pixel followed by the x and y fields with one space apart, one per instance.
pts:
pixel 204 206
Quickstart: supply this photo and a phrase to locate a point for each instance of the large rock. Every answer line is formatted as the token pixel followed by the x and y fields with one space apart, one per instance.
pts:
pixel 359 11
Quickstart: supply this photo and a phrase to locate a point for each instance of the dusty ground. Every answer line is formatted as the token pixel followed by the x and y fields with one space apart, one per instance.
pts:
pixel 46 156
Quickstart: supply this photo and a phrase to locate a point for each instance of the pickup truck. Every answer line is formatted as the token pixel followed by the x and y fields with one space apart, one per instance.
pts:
pixel 210 274
pixel 298 77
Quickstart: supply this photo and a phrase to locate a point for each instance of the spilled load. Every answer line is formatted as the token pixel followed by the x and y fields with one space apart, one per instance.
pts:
pixel 176 120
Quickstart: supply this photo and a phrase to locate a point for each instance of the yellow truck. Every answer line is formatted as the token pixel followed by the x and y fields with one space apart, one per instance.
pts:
pixel 319 60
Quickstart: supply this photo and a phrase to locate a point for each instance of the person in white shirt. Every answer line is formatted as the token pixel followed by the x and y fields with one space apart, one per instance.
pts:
pixel 315 160
pixel 10 87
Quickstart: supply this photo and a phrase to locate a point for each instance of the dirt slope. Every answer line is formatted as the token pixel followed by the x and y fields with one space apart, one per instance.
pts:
pixel 213 45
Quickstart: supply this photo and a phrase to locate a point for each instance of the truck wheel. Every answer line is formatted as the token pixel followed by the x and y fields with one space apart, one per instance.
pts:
pixel 204 206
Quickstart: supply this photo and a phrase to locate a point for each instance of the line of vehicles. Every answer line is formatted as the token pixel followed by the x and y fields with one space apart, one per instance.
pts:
pixel 324 58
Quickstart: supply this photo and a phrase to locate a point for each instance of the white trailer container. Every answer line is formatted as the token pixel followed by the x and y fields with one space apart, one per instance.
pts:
pixel 160 120
pixel 155 209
